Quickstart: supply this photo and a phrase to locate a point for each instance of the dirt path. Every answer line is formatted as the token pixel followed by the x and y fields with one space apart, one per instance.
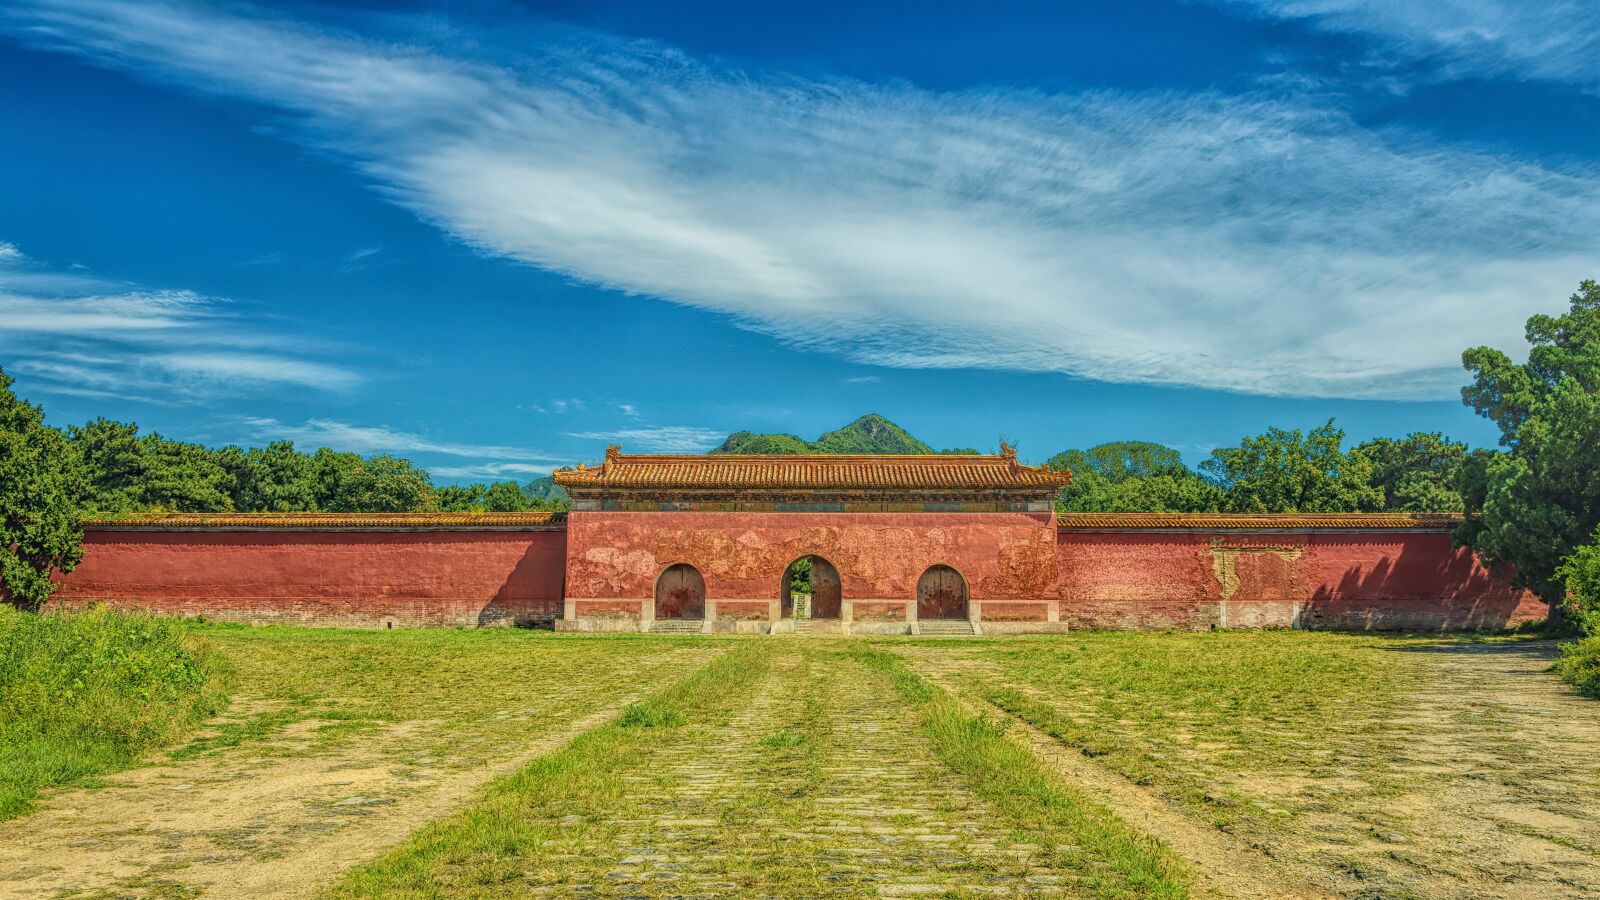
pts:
pixel 857 805
pixel 281 818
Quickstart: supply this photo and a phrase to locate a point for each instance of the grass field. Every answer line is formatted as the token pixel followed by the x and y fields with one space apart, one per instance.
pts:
pixel 486 763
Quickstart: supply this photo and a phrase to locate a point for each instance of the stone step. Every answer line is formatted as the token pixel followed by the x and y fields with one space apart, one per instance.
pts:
pixel 944 627
pixel 676 626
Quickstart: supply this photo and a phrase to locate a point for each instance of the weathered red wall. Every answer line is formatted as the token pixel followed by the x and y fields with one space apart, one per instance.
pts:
pixel 1350 579
pixel 743 555
pixel 1017 566
pixel 344 577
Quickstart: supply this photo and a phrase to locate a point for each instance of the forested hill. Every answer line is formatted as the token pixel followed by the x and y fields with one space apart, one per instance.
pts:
pixel 871 433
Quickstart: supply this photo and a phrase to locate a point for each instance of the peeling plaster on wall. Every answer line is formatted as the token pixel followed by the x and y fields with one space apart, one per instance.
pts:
pixel 1225 562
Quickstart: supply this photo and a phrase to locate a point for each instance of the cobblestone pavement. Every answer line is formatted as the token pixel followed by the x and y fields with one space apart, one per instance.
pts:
pixel 821 785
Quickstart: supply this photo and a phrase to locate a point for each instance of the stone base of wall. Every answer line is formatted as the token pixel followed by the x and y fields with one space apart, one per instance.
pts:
pixel 353 613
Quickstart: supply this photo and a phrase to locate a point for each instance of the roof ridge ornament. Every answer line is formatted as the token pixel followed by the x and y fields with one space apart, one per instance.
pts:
pixel 1008 452
pixel 613 451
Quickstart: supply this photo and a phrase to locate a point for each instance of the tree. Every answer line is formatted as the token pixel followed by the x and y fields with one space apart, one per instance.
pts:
pixel 1287 471
pixel 455 498
pixel 275 478
pixel 507 496
pixel 1132 476
pixel 1537 502
pixel 42 487
pixel 1417 473
pixel 378 484
pixel 130 473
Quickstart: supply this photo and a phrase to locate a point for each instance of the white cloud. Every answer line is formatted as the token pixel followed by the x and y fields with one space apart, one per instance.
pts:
pixel 496 471
pixel 657 438
pixel 864 379
pixel 1557 40
pixel 84 336
pixel 629 410
pixel 1241 243
pixel 368 439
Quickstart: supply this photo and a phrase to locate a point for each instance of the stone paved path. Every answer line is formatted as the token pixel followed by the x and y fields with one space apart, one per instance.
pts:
pixel 860 807
pixel 1497 762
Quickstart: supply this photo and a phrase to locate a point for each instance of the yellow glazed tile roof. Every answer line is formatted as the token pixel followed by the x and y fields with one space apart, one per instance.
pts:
pixel 1225 521
pixel 326 520
pixel 811 472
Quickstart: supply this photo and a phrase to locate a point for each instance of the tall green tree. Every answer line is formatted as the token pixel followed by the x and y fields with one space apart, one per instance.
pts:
pixel 348 483
pixel 1420 472
pixel 1132 476
pixel 131 472
pixel 1536 503
pixel 507 496
pixel 42 486
pixel 274 478
pixel 1289 471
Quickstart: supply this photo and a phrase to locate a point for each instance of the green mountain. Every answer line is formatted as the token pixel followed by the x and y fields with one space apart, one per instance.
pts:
pixel 545 489
pixel 871 433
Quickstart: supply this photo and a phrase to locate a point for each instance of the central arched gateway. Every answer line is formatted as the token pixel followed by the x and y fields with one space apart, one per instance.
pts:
pixel 941 594
pixel 822 578
pixel 680 593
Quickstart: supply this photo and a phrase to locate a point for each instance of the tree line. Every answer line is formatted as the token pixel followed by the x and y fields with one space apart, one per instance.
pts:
pixel 1281 470
pixel 125 471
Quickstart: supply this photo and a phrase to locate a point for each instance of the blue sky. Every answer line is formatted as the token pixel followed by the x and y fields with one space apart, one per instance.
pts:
pixel 496 238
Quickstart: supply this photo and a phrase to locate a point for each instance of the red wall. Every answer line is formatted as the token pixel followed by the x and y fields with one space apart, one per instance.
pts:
pixel 1017 566
pixel 345 577
pixel 743 555
pixel 1347 579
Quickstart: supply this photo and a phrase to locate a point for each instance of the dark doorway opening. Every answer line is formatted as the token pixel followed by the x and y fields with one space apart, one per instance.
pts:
pixel 681 593
pixel 811 587
pixel 941 594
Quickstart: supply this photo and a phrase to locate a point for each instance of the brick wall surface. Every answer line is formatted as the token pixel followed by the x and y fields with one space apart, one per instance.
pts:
pixel 349 577
pixel 1019 567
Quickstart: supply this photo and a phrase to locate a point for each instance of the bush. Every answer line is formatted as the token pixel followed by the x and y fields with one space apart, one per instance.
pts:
pixel 1580 665
pixel 85 693
pixel 1580 573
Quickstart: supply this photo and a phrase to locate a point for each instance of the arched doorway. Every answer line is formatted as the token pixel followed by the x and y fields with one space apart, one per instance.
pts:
pixel 816 577
pixel 680 593
pixel 941 594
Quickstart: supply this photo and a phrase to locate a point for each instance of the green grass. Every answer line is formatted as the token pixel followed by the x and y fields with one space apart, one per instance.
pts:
pixel 1580 665
pixel 1192 715
pixel 86 693
pixel 485 849
pixel 477 688
pixel 1121 860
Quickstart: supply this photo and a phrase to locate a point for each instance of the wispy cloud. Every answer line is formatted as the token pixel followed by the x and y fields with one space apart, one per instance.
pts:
pixel 486 460
pixel 657 438
pixel 84 336
pixel 629 410
pixel 560 406
pixel 1556 40
pixel 1246 243
pixel 863 379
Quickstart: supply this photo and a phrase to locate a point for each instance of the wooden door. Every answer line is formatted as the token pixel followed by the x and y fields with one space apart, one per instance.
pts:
pixel 680 593
pixel 825 590
pixel 941 594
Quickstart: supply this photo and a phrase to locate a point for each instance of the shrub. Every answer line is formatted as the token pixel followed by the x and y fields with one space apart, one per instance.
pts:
pixel 1580 665
pixel 1580 573
pixel 85 693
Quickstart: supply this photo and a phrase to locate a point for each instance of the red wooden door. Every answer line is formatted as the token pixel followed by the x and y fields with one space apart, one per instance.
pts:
pixel 825 589
pixel 680 593
pixel 941 594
